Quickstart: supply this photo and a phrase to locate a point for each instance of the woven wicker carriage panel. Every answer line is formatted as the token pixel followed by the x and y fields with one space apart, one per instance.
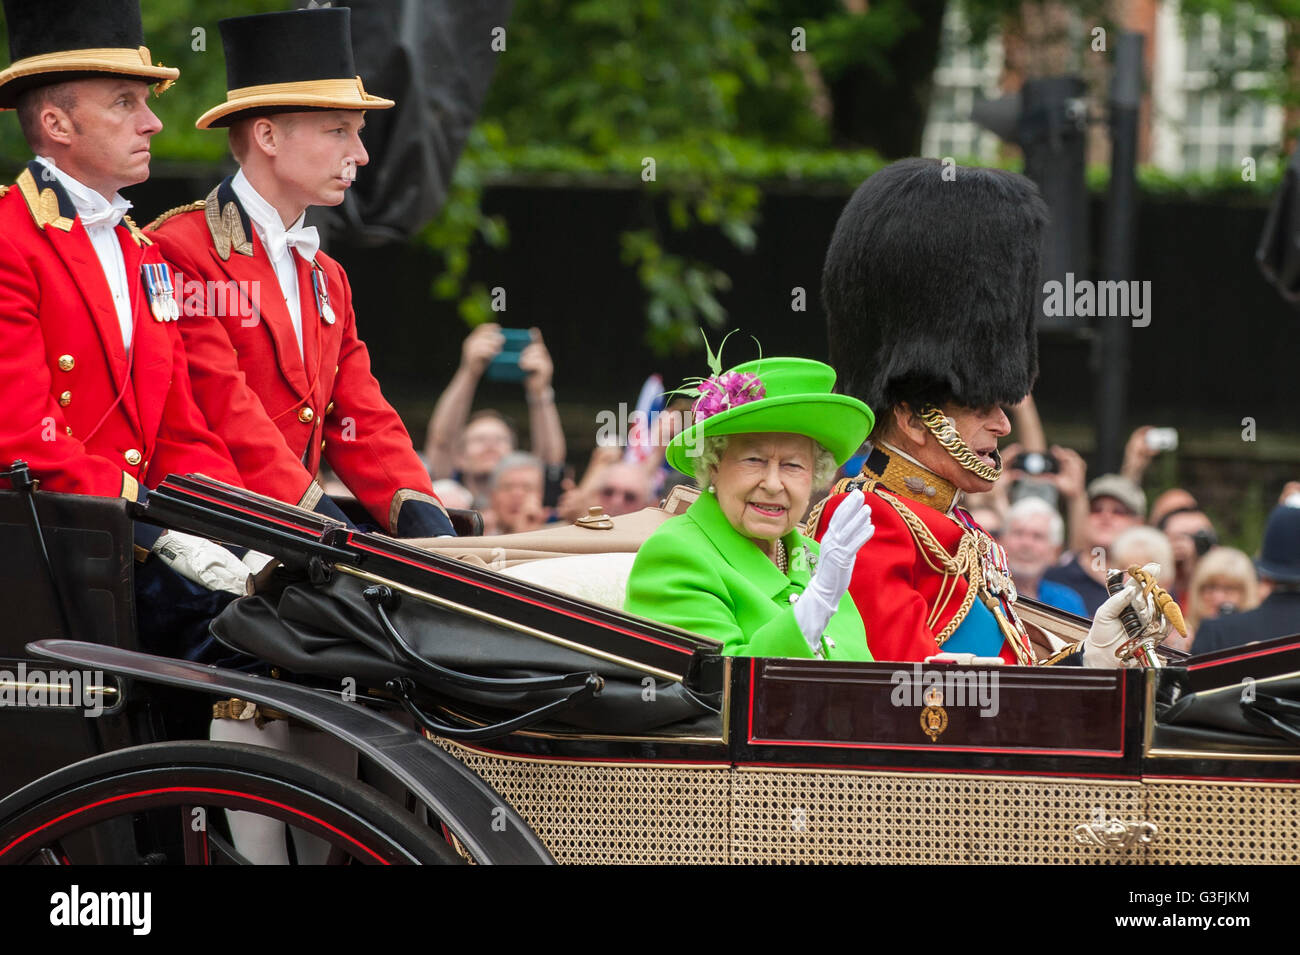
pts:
pixel 825 817
pixel 612 813
pixel 1224 822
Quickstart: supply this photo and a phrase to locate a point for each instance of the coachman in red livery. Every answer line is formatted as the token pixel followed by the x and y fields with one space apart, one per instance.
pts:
pixel 93 375
pixel 277 365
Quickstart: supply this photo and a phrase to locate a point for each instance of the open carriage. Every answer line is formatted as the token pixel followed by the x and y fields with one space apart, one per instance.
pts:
pixel 502 719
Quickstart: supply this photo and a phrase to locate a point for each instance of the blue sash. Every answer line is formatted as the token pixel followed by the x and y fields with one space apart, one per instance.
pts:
pixel 978 634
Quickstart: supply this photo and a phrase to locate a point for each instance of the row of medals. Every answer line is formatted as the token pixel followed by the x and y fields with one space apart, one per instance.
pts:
pixel 162 298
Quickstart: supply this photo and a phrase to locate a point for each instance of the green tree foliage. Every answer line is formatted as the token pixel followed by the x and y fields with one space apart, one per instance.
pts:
pixel 652 92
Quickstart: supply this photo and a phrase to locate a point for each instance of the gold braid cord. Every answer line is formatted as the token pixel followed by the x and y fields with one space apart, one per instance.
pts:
pixel 966 563
pixel 1061 654
pixel 951 441
pixel 1164 601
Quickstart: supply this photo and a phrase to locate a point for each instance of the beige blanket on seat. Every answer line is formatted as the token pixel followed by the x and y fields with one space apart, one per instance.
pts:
pixel 506 550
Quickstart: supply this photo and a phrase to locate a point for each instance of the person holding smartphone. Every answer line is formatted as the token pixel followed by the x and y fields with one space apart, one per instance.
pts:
pixel 469 447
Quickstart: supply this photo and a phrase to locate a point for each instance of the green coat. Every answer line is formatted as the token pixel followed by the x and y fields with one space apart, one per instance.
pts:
pixel 698 573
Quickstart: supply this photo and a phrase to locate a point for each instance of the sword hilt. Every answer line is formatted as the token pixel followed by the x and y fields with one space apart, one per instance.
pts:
pixel 1128 616
pixel 1144 647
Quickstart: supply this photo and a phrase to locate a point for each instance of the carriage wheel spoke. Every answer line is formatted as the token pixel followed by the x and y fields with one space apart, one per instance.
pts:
pixel 194 819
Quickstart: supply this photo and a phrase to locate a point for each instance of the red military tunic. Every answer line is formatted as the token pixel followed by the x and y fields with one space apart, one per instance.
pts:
pixel 276 408
pixel 908 605
pixel 87 416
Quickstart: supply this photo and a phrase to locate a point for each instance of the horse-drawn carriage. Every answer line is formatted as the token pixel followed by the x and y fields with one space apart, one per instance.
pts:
pixel 504 710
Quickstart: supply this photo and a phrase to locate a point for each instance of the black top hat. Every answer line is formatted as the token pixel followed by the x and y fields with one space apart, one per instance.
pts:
pixel 1279 557
pixel 51 41
pixel 287 62
pixel 931 286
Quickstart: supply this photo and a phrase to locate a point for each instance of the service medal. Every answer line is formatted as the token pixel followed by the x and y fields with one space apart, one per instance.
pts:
pixel 322 295
pixel 162 294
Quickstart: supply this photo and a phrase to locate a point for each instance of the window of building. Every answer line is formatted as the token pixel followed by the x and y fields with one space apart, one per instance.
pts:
pixel 964 70
pixel 1208 113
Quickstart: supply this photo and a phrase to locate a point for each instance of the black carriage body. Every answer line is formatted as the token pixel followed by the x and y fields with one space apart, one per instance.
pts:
pixel 807 760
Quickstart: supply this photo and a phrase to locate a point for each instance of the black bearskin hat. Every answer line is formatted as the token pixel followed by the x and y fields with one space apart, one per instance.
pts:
pixel 932 287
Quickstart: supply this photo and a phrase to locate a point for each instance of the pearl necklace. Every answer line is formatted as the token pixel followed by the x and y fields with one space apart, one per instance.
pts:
pixel 782 562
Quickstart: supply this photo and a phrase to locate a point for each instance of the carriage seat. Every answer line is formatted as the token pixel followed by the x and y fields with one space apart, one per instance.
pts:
pixel 598 578
pixel 587 560
pixel 90 546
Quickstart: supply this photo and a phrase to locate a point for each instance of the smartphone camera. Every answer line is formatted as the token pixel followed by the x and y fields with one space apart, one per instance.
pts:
pixel 1035 463
pixel 1162 439
pixel 1203 540
pixel 554 485
pixel 505 366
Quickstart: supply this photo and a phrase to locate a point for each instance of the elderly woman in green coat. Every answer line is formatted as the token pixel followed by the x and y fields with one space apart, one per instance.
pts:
pixel 734 566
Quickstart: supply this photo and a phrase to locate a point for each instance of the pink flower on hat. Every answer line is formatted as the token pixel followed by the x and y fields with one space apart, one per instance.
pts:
pixel 725 391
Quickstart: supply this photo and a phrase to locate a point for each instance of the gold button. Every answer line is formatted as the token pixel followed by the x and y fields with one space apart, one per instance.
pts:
pixel 322 444
pixel 65 399
pixel 68 429
pixel 305 415
pixel 66 362
pixel 329 407
pixel 132 457
pixel 336 369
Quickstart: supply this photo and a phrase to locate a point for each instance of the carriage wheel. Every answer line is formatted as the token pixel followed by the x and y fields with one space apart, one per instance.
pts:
pixel 157 804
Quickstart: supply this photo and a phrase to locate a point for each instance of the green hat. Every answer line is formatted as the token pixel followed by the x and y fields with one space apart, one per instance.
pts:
pixel 774 395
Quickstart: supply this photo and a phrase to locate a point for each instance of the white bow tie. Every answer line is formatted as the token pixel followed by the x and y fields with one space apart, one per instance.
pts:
pixel 303 238
pixel 108 215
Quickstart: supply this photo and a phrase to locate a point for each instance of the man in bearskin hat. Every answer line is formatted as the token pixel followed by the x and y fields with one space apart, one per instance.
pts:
pixel 283 376
pixel 93 377
pixel 931 289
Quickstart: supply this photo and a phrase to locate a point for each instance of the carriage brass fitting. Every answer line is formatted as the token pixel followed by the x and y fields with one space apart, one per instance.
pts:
pixel 1114 833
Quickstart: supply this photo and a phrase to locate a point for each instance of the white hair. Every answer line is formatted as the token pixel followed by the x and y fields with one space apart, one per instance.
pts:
pixel 714 446
pixel 1141 544
pixel 1028 507
pixel 516 460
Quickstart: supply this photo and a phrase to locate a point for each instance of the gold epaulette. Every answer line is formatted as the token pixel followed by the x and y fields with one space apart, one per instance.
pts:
pixel 226 226
pixel 139 237
pixel 842 486
pixel 188 207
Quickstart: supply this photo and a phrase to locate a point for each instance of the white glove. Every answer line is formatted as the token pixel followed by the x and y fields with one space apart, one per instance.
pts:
pixel 207 564
pixel 849 530
pixel 1108 634
pixel 255 561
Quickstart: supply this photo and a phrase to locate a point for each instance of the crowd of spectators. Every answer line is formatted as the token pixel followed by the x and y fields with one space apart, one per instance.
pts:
pixel 1063 532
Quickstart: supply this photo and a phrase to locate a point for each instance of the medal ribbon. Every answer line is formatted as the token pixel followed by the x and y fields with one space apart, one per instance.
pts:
pixel 321 285
pixel 162 294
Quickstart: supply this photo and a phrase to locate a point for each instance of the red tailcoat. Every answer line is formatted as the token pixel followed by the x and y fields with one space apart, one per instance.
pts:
pixel 86 416
pixel 278 412
pixel 894 587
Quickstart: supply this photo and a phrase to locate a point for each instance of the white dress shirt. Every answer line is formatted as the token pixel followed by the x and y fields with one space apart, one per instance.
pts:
pixel 280 244
pixel 99 217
